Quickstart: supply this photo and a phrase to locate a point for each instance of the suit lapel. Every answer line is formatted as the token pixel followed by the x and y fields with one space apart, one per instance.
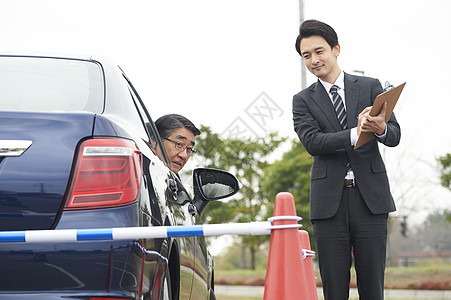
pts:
pixel 352 90
pixel 322 99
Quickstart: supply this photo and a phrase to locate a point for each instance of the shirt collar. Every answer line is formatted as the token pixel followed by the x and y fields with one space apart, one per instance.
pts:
pixel 340 82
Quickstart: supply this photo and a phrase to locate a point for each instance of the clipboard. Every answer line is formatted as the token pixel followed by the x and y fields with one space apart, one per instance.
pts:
pixel 391 97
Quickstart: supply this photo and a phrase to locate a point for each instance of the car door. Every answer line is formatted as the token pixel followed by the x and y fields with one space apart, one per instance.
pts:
pixel 184 214
pixel 202 270
pixel 177 208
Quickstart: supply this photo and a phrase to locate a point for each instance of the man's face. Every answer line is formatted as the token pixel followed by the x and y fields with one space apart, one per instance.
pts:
pixel 176 157
pixel 319 58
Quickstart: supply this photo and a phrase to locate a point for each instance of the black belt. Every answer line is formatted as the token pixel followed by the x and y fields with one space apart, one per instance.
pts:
pixel 349 183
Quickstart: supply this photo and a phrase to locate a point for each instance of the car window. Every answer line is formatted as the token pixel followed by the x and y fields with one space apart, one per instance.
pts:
pixel 152 136
pixel 145 122
pixel 50 85
pixel 180 196
pixel 146 133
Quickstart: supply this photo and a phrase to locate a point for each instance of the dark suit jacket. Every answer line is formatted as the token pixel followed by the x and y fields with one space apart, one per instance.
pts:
pixel 317 126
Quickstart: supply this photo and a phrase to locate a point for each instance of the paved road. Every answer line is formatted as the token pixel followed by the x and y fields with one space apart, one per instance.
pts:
pixel 389 294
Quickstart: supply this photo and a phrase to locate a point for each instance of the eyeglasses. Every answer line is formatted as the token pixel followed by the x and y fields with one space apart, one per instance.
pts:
pixel 181 147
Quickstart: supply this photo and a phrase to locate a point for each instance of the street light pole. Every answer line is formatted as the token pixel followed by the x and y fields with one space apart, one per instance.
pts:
pixel 301 19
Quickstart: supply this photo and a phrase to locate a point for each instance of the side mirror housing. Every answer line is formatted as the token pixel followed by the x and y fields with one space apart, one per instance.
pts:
pixel 212 184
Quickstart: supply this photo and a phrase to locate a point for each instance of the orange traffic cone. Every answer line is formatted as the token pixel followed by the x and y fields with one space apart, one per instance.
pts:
pixel 285 275
pixel 308 264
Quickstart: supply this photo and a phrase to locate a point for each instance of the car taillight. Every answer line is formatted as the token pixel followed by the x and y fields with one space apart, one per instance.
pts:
pixel 107 173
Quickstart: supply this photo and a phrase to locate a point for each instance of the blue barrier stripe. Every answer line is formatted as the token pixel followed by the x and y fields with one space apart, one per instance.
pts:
pixel 94 234
pixel 12 236
pixel 122 233
pixel 179 231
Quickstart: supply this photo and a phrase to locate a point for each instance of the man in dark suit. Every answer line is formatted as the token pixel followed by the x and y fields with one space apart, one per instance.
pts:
pixel 349 193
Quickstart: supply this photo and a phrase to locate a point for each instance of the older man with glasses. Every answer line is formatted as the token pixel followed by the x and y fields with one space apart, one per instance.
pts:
pixel 177 134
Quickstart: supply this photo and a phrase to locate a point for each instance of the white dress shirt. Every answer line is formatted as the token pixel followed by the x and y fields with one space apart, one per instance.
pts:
pixel 340 83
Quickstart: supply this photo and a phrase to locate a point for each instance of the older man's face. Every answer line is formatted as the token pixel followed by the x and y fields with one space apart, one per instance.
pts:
pixel 180 137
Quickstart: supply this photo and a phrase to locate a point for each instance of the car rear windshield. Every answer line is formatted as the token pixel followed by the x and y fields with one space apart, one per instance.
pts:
pixel 36 84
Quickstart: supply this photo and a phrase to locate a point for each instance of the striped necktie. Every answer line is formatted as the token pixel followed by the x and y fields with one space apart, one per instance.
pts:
pixel 339 106
pixel 340 110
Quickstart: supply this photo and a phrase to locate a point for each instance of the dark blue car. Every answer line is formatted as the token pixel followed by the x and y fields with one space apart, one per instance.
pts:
pixel 77 151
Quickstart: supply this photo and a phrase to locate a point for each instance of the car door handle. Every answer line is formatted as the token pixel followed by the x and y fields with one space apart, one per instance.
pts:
pixel 14 147
pixel 172 184
pixel 192 209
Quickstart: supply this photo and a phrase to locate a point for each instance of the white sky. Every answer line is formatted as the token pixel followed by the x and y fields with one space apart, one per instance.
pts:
pixel 211 60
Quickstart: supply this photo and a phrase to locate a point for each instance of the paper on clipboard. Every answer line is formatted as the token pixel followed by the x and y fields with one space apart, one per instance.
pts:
pixel 391 97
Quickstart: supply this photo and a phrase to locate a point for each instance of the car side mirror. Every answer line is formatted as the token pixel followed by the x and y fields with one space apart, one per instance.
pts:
pixel 212 184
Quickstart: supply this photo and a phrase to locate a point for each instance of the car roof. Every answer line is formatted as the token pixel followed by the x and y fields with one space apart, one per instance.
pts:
pixel 103 59
pixel 53 54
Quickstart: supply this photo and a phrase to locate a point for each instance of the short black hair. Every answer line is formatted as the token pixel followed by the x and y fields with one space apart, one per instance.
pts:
pixel 168 123
pixel 310 28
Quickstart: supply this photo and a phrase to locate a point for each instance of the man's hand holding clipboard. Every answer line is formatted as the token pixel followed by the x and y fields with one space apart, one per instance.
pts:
pixel 390 97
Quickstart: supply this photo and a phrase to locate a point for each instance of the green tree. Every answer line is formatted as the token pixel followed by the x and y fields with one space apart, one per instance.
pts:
pixel 445 166
pixel 291 174
pixel 246 159
pixel 445 174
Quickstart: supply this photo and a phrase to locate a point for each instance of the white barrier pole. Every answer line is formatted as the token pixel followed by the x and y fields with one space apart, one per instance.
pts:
pixel 127 233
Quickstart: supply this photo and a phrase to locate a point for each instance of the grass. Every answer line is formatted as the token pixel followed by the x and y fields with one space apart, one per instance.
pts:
pixel 433 277
pixel 221 297
pixel 240 277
